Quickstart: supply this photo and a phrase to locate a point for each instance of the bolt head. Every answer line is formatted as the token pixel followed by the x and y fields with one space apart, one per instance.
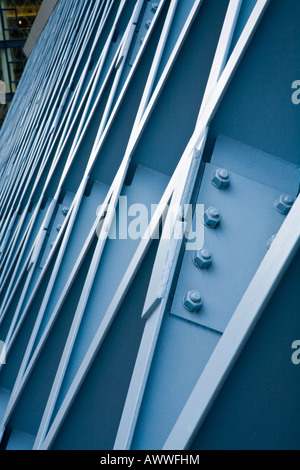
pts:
pixel 212 217
pixel 154 6
pixel 288 200
pixel 221 178
pixel 205 254
pixel 192 301
pixel 148 24
pixel 196 297
pixel 65 210
pixel 284 204
pixel 202 259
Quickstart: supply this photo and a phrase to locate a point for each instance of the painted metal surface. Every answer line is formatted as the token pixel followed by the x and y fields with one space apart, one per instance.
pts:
pixel 107 344
pixel 249 219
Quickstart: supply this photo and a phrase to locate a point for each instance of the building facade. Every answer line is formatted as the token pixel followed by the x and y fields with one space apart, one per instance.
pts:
pixel 150 229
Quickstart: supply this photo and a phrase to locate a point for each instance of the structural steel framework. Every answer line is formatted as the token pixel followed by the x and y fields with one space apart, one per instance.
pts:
pixel 139 343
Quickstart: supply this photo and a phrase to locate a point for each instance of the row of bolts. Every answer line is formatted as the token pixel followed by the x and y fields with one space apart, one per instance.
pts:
pixel 193 300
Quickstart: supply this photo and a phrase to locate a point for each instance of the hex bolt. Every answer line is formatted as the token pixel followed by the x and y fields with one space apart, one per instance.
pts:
pixel 192 301
pixel 148 24
pixel 212 217
pixel 284 204
pixel 65 211
pixel 154 6
pixel 221 179
pixel 58 228
pixel 196 297
pixel 202 259
pixel 271 241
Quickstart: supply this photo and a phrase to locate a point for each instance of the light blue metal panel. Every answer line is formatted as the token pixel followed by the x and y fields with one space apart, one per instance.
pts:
pixel 182 352
pixel 20 441
pixel 257 108
pixel 257 165
pixel 238 245
pixel 146 189
pixel 258 408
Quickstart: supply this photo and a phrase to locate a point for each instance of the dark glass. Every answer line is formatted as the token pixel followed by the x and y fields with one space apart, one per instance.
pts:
pixel 16 19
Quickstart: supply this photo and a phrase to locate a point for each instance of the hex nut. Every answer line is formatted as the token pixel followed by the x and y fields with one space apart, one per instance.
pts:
pixel 284 204
pixel 202 259
pixel 192 301
pixel 221 178
pixel 212 217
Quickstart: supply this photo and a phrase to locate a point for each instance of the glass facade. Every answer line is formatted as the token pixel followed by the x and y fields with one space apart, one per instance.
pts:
pixel 16 19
